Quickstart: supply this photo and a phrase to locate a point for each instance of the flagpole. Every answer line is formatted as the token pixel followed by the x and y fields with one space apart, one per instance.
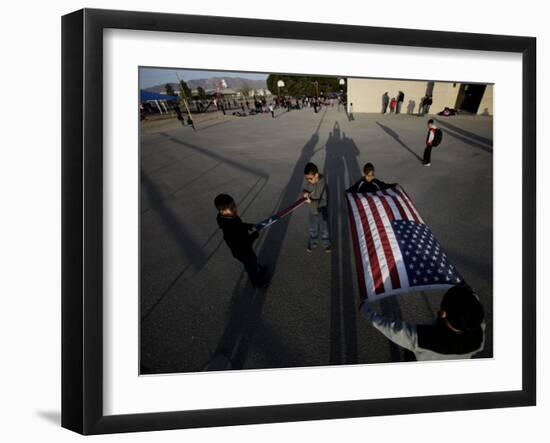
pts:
pixel 185 101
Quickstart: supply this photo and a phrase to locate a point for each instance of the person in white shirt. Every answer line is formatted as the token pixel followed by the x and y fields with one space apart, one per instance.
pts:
pixel 429 141
pixel 458 332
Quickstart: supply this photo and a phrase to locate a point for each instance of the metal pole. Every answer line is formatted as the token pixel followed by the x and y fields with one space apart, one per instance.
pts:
pixel 185 99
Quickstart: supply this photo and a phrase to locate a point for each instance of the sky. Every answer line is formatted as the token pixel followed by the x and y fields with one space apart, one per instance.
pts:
pixel 159 76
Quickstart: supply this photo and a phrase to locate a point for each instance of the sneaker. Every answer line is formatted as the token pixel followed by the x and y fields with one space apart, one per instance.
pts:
pixel 328 249
pixel 311 246
pixel 427 164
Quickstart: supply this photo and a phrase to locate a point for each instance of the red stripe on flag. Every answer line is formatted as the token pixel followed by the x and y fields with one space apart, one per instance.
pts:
pixel 386 205
pixel 411 202
pixel 371 248
pixel 290 208
pixel 406 201
pixel 386 247
pixel 358 255
pixel 397 205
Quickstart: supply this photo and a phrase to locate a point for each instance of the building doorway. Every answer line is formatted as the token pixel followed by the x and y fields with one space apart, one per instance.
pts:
pixel 469 97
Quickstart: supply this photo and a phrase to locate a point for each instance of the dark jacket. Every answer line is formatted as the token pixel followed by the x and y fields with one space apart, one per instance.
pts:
pixel 236 235
pixel 372 186
pixel 428 342
pixel 439 338
pixel 430 136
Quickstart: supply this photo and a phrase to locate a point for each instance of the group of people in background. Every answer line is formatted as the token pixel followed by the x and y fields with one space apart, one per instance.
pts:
pixel 286 103
pixel 393 105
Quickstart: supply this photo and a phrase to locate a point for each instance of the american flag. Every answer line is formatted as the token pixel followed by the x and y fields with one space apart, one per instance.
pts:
pixel 276 217
pixel 395 251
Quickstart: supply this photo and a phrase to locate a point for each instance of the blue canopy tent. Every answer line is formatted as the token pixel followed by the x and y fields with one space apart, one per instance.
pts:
pixel 147 95
pixel 158 99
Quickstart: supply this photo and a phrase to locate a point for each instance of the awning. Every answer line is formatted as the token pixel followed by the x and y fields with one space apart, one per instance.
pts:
pixel 147 95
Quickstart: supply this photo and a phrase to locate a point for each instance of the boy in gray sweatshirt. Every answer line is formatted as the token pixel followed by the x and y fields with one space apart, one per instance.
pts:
pixel 316 194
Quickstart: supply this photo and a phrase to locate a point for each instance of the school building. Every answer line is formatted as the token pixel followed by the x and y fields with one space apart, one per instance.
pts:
pixel 474 98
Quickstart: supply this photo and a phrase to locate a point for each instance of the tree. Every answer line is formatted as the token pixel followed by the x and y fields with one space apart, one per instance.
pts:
pixel 302 85
pixel 185 92
pixel 202 93
pixel 169 89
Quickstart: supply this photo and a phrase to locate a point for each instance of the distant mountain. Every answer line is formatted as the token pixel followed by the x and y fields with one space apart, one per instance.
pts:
pixel 235 83
pixel 161 89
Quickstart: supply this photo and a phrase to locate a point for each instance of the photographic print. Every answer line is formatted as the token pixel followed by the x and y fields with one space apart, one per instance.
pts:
pixel 298 220
pixel 251 234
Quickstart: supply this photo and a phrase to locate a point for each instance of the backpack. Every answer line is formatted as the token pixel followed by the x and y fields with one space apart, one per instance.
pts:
pixel 438 136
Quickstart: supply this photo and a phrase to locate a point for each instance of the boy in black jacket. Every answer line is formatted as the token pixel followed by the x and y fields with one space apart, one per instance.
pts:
pixel 236 235
pixel 368 183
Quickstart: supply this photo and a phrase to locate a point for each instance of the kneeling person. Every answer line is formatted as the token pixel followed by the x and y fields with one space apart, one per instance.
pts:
pixel 458 332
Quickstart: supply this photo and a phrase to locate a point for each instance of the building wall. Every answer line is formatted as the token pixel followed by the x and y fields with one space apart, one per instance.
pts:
pixel 486 105
pixel 366 94
pixel 444 95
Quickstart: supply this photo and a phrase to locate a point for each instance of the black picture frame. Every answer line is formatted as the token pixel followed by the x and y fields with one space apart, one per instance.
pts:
pixel 82 218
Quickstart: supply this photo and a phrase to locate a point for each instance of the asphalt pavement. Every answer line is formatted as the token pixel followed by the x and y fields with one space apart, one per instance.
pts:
pixel 198 310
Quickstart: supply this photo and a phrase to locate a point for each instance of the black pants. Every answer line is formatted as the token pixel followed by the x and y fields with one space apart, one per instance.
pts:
pixel 252 268
pixel 428 154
